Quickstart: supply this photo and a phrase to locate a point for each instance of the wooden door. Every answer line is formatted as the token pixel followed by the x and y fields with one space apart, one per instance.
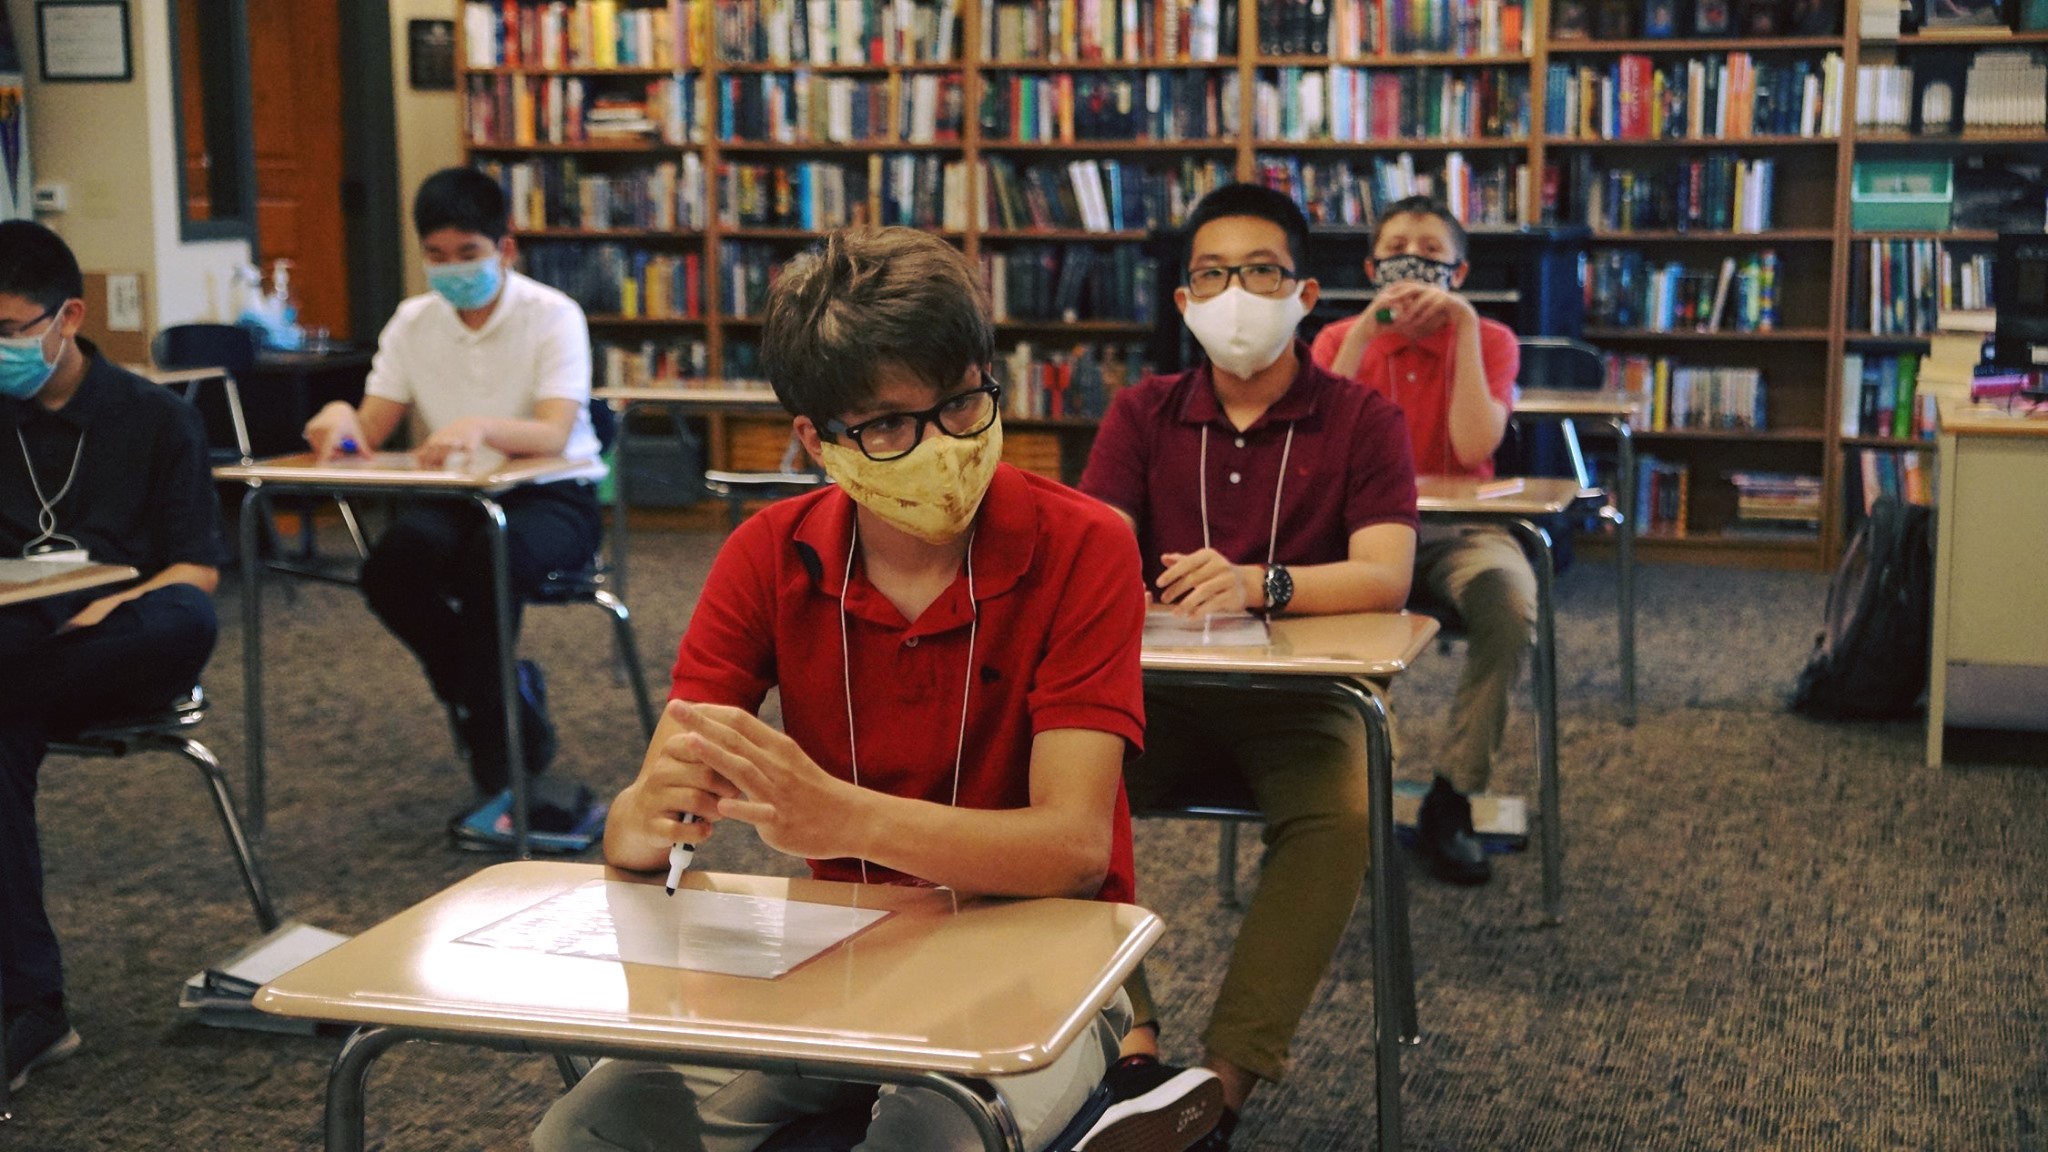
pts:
pixel 295 88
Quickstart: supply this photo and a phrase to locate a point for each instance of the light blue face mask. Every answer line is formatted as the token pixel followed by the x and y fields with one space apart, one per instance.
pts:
pixel 468 285
pixel 23 370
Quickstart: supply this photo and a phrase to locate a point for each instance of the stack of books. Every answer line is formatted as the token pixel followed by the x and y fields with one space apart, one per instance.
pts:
pixel 1776 503
pixel 223 995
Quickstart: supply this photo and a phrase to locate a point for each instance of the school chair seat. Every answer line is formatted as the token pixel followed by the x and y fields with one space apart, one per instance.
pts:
pixel 168 731
pixel 789 478
pixel 587 585
pixel 1565 364
pixel 236 423
pixel 1212 792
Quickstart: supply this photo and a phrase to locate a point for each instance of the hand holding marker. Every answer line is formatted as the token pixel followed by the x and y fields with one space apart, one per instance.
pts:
pixel 679 857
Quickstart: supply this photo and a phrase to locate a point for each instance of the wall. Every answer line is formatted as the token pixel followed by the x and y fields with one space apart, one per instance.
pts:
pixel 123 214
pixel 429 127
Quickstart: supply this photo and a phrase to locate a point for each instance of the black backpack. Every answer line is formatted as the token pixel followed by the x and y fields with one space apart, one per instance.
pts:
pixel 1870 660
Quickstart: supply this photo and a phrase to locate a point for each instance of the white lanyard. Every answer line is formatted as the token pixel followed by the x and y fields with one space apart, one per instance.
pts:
pixel 1279 486
pixel 46 515
pixel 846 666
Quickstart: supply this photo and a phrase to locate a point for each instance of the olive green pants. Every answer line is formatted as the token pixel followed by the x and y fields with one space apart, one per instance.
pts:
pixel 1484 575
pixel 1301 760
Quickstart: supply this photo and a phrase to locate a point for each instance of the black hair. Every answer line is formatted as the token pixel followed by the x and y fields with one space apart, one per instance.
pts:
pixel 1422 206
pixel 866 298
pixel 37 265
pixel 460 198
pixel 1258 202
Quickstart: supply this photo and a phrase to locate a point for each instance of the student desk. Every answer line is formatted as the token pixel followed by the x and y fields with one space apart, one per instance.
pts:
pixel 1334 656
pixel 298 475
pixel 76 581
pixel 943 993
pixel 24 592
pixel 706 401
pixel 1616 410
pixel 1456 500
pixel 1989 659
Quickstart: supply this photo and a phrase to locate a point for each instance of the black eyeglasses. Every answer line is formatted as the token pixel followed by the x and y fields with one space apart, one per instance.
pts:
pixel 22 328
pixel 1258 279
pixel 892 437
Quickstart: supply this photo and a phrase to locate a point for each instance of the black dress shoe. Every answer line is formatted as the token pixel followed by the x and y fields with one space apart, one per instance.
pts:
pixel 1444 837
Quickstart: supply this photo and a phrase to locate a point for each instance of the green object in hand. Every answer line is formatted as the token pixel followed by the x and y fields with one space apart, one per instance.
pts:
pixel 1384 315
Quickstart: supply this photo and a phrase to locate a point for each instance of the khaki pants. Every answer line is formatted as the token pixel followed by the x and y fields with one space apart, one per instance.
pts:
pixel 645 1107
pixel 1483 574
pixel 1302 760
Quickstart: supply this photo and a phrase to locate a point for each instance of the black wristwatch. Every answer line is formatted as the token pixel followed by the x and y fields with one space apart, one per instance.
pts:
pixel 1279 588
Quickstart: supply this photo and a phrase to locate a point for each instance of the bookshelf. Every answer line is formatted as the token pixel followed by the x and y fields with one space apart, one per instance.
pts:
pixel 979 121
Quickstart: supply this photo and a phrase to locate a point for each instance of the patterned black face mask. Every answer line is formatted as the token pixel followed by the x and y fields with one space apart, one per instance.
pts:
pixel 1395 269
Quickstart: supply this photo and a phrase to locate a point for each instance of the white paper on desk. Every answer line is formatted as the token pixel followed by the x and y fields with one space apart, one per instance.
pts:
pixel 722 932
pixel 1163 629
pixel 30 570
pixel 458 465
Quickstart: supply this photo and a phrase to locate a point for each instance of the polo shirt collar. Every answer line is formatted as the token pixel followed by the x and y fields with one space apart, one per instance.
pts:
pixel 1301 400
pixel 92 397
pixel 1005 540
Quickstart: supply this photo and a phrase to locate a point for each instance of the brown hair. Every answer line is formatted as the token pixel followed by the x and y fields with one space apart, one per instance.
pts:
pixel 870 297
pixel 1422 206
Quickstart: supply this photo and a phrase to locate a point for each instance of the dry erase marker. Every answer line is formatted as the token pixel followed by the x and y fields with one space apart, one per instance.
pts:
pixel 1384 315
pixel 679 857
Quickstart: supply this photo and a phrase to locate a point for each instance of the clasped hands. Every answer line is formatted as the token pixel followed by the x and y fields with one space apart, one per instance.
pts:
pixel 1417 309
pixel 724 763
pixel 1204 583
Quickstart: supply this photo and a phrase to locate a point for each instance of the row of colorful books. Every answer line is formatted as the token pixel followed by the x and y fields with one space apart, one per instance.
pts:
pixel 1352 28
pixel 527 110
pixel 916 190
pixel 839 32
pixel 1350 104
pixel 1660 19
pixel 1343 192
pixel 617 280
pixel 1663 496
pixel 1066 282
pixel 1902 287
pixel 1724 96
pixel 1676 395
pixel 648 363
pixel 1714 192
pixel 1881 397
pixel 1184 105
pixel 563 192
pixel 585 34
pixel 1074 382
pixel 1625 289
pixel 1776 503
pixel 1954 91
pixel 803 108
pixel 1095 195
pixel 1112 31
pixel 1875 472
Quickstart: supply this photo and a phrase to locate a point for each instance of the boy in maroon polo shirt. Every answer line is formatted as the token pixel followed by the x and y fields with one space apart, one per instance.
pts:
pixel 956 644
pixel 1453 373
pixel 1260 482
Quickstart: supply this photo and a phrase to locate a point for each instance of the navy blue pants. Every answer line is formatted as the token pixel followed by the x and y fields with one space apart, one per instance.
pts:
pixel 428 579
pixel 144 656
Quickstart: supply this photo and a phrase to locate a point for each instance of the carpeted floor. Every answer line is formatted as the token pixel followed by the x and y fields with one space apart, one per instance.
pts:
pixel 1780 934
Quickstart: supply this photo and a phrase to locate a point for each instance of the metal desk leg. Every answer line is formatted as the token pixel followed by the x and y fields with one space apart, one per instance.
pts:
pixel 991 1116
pixel 508 678
pixel 253 510
pixel 6 1100
pixel 618 573
pixel 348 1079
pixel 1625 564
pixel 1393 988
pixel 1543 677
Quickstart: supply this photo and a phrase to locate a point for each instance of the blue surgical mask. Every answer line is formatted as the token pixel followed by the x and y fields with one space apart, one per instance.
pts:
pixel 468 285
pixel 23 369
pixel 1395 269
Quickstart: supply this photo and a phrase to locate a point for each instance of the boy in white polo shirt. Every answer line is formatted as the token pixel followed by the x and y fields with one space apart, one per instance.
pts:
pixel 489 360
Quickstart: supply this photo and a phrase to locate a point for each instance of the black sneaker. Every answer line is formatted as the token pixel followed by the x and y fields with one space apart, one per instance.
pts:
pixel 1145 1106
pixel 1444 837
pixel 536 731
pixel 36 1037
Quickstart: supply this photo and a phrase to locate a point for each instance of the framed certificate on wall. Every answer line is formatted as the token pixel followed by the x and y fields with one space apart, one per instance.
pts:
pixel 83 40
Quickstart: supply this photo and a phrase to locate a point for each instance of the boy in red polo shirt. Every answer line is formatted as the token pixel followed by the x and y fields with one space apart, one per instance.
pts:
pixel 1261 482
pixel 1453 374
pixel 956 644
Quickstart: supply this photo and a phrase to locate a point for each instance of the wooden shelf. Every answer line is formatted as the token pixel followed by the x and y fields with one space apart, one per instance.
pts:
pixel 1893 443
pixel 1695 142
pixel 634 73
pixel 2021 136
pixel 1203 145
pixel 815 146
pixel 1853 338
pixel 1477 144
pixel 749 232
pixel 757 68
pixel 1061 234
pixel 1768 435
pixel 1408 60
pixel 1991 37
pixel 1779 335
pixel 1089 327
pixel 1669 236
pixel 1684 46
pixel 1228 62
pixel 619 146
pixel 1955 236
pixel 601 320
pixel 606 234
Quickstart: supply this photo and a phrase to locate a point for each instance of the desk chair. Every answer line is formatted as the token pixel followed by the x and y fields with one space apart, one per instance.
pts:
pixel 1561 362
pixel 790 478
pixel 232 351
pixel 165 731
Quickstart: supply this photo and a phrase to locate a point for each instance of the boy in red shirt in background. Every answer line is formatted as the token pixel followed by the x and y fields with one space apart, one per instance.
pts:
pixel 1452 372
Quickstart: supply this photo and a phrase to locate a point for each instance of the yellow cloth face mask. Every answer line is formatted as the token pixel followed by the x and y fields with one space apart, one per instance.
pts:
pixel 933 493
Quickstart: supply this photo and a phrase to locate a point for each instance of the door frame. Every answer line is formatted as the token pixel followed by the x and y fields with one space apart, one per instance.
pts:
pixel 369 150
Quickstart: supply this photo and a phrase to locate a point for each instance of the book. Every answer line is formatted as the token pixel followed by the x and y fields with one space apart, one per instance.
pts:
pixel 222 994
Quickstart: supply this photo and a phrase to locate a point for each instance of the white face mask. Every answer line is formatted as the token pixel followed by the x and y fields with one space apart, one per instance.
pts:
pixel 1243 333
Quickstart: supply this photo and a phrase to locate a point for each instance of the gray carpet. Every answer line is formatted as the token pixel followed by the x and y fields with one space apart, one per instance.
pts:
pixel 1781 934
